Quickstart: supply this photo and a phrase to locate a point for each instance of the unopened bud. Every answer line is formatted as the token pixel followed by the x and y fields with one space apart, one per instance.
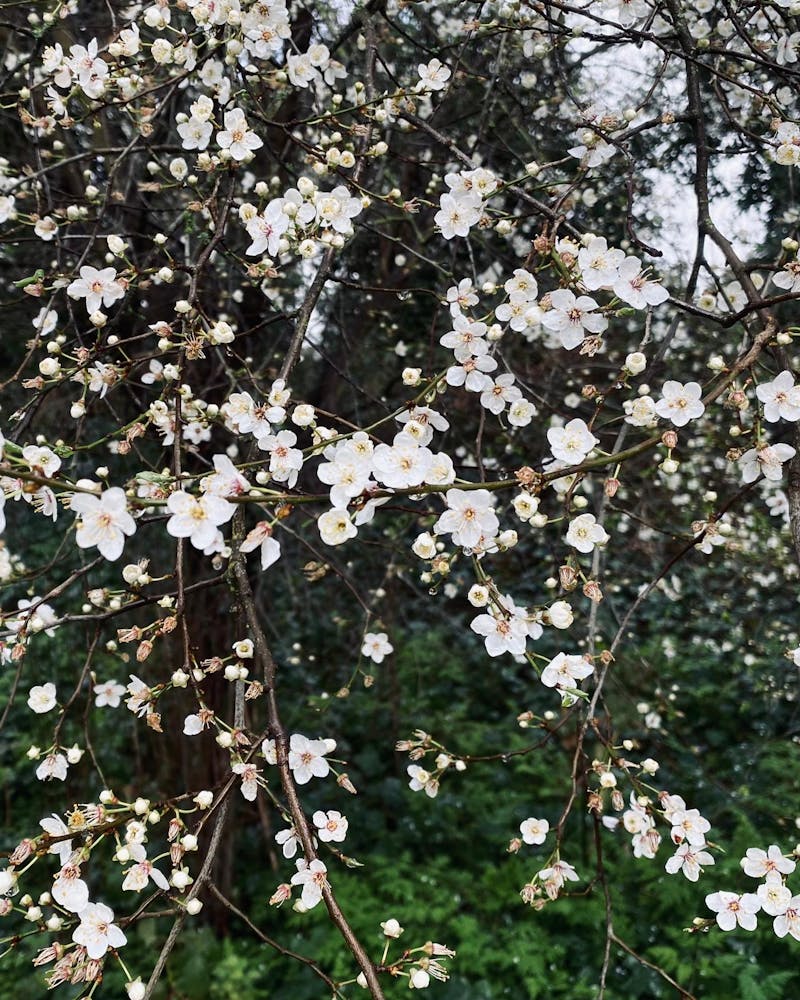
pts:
pixel 669 439
pixel 344 782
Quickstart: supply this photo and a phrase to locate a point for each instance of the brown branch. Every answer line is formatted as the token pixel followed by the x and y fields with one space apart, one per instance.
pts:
pixel 684 993
pixel 244 593
pixel 273 943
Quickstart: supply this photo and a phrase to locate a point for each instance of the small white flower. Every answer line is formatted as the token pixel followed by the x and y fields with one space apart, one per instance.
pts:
pixel 781 398
pixel 774 896
pixel 249 776
pixel 768 459
pixel 424 546
pixel 197 518
pixel 688 859
pixel 634 288
pixel 501 634
pixel 565 672
pixel 420 778
pixel 456 216
pixel 572 442
pixel 42 698
pixel 69 889
pixel 99 288
pixel 433 75
pixel 680 403
pixel 288 841
pixel 139 876
pixel 418 979
pixel 584 533
pixel 469 516
pixel 571 318
pixel 331 825
pixel 335 527
pixel 313 878
pixel 376 646
pixel 560 614
pixel 261 537
pixel 732 909
pixel 765 864
pixel 307 758
pixel 534 831
pixel 237 137
pixel 97 932
pixel 103 522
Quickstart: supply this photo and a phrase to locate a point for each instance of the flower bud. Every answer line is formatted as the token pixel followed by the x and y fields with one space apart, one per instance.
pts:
pixel 391 928
pixel 424 546
pixel 669 439
pixel 636 363
pixel 135 989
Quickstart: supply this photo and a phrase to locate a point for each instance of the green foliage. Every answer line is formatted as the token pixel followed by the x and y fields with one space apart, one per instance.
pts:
pixel 442 867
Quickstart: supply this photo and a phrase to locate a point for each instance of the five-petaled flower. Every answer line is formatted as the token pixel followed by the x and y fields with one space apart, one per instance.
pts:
pixel 331 825
pixel 376 646
pixel 732 909
pixel 103 521
pixel 680 403
pixel 307 758
pixel 197 518
pixel 42 698
pixel 97 931
pixel 313 878
pixel 99 288
pixel 237 136
pixel 534 831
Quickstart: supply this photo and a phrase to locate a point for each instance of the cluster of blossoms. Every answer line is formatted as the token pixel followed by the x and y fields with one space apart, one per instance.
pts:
pixel 36 460
pixel 593 149
pixel 471 343
pixel 688 830
pixel 301 220
pixel 787 143
pixel 82 67
pixel 463 205
pixel 780 398
pixel 74 841
pixel 773 896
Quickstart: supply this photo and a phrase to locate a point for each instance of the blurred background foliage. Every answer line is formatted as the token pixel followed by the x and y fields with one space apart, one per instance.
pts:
pixel 441 866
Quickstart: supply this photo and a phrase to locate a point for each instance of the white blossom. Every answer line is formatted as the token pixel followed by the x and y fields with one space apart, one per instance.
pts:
pixel 97 932
pixel 103 521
